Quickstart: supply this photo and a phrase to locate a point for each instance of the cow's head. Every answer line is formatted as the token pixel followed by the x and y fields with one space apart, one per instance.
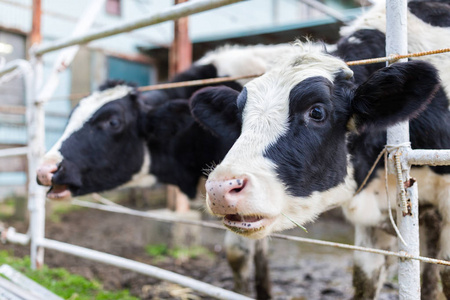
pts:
pixel 102 146
pixel 291 157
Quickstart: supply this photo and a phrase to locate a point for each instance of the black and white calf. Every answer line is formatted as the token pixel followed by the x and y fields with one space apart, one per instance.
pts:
pixel 311 131
pixel 117 137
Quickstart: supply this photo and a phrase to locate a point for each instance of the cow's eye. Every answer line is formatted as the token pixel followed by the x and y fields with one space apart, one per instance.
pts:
pixel 317 113
pixel 114 123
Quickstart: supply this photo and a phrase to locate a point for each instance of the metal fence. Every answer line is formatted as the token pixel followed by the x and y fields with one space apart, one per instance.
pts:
pixel 401 156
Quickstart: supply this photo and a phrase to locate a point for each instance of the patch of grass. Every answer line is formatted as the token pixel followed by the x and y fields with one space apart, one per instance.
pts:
pixel 63 283
pixel 6 210
pixel 157 250
pixel 7 206
pixel 190 252
pixel 161 251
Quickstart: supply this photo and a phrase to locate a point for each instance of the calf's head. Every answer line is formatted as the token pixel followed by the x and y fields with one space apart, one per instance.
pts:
pixel 291 157
pixel 102 146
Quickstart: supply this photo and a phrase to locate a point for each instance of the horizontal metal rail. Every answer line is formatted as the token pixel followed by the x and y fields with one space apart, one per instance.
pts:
pixel 8 68
pixel 13 151
pixel 428 157
pixel 141 268
pixel 13 109
pixel 172 13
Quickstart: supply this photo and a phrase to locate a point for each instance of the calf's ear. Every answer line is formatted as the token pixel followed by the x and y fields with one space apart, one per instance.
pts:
pixel 215 109
pixel 393 94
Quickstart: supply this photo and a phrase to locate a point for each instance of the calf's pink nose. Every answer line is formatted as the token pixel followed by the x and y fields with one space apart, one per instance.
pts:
pixel 223 195
pixel 45 174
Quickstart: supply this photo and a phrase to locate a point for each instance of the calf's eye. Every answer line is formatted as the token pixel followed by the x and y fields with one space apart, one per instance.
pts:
pixel 114 123
pixel 317 113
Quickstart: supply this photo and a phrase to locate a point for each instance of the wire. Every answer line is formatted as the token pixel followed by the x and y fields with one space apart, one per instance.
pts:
pixel 390 58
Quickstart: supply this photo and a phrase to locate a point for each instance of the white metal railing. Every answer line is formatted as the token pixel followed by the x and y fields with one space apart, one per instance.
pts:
pixel 172 13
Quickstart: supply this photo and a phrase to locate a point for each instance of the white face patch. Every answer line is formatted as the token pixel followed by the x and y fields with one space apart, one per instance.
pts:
pixel 82 113
pixel 265 119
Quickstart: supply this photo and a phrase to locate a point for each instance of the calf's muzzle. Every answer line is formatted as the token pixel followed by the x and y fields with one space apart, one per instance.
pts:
pixel 45 173
pixel 225 195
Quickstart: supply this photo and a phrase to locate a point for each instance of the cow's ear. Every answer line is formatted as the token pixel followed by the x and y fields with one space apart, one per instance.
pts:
pixel 167 120
pixel 216 110
pixel 393 94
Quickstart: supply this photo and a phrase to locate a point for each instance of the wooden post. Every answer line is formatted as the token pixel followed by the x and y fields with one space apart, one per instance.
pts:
pixel 180 58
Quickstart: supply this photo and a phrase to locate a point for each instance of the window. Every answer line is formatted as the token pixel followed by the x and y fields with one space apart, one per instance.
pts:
pixel 113 7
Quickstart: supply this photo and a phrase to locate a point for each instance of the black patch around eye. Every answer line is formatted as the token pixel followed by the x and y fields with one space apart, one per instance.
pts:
pixel 241 100
pixel 309 91
pixel 311 158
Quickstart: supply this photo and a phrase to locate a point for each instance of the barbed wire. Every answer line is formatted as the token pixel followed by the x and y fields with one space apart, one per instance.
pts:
pixel 117 208
pixel 395 57
pixel 171 85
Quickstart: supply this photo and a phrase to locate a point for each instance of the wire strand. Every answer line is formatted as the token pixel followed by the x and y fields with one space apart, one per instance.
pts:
pixel 171 85
pixel 159 217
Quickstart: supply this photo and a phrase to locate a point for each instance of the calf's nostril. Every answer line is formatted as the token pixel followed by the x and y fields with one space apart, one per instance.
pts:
pixel 240 186
pixel 236 190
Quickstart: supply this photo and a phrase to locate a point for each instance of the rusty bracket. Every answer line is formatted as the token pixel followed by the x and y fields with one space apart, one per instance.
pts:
pixel 408 184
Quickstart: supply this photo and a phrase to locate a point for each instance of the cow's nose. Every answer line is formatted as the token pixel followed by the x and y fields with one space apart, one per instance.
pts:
pixel 224 195
pixel 45 173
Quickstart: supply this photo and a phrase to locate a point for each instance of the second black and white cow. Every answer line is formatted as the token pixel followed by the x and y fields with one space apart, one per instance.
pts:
pixel 117 137
pixel 311 131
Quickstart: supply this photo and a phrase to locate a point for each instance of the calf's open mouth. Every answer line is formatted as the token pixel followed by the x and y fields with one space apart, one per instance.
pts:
pixel 247 224
pixel 59 192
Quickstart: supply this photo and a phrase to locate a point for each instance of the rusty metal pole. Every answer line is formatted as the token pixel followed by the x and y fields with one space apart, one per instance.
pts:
pixel 35 35
pixel 180 58
pixel 180 53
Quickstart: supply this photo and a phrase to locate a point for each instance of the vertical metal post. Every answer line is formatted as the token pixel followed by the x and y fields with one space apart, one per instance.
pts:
pixel 36 193
pixel 36 138
pixel 408 223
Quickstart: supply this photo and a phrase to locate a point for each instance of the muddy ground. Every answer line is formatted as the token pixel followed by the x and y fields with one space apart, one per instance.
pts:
pixel 298 271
